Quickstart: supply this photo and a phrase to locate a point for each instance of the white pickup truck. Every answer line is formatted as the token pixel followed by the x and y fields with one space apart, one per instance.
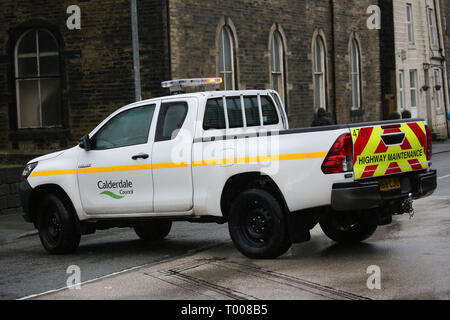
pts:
pixel 228 156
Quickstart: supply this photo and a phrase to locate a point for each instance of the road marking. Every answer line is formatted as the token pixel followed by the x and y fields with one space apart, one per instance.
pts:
pixel 192 273
pixel 28 234
pixel 443 177
pixel 164 260
pixel 32 296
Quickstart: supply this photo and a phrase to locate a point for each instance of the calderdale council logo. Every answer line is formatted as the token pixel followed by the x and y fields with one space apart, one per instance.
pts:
pixel 120 189
pixel 112 195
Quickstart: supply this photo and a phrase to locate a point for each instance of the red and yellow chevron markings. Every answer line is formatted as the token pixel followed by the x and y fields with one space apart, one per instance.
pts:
pixel 374 157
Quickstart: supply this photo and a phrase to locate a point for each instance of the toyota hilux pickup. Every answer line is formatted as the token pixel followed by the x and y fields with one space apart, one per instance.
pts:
pixel 228 156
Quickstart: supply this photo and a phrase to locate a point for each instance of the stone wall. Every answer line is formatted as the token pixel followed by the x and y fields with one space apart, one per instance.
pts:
pixel 9 188
pixel 417 55
pixel 194 28
pixel 180 41
pixel 96 64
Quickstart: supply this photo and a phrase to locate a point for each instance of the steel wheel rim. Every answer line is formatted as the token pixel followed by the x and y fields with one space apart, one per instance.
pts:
pixel 52 227
pixel 256 222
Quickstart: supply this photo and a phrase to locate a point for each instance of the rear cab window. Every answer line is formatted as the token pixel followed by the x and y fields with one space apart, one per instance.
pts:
pixel 240 112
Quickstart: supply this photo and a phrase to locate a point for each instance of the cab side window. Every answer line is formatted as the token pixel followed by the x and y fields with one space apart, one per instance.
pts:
pixel 251 111
pixel 130 127
pixel 214 117
pixel 234 112
pixel 171 118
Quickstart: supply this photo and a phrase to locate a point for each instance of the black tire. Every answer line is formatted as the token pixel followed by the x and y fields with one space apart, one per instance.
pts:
pixel 257 225
pixel 58 228
pixel 349 227
pixel 153 230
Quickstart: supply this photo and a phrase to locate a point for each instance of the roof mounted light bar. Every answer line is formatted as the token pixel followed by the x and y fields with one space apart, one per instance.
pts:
pixel 176 86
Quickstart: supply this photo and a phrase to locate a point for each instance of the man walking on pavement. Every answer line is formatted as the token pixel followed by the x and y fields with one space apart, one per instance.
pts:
pixel 321 119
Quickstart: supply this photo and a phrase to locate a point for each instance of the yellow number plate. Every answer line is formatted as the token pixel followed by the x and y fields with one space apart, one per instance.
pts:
pixel 389 184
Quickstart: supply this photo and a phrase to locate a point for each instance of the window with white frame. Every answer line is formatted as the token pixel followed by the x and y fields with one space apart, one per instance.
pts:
pixel 432 27
pixel 277 64
pixel 437 86
pixel 410 22
pixel 226 58
pixel 413 88
pixel 37 78
pixel 355 67
pixel 320 100
pixel 401 89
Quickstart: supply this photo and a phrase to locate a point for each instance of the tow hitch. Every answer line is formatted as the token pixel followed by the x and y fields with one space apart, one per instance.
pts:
pixel 407 206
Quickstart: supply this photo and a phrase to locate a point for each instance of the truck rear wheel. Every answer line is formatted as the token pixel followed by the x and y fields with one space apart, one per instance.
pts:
pixel 153 230
pixel 257 225
pixel 58 228
pixel 349 227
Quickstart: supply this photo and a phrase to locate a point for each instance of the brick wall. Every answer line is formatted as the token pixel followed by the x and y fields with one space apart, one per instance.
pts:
pixel 351 18
pixel 194 50
pixel 9 184
pixel 445 22
pixel 97 64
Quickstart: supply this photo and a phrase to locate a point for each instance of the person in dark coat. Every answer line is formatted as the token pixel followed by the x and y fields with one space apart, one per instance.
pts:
pixel 406 114
pixel 321 119
pixel 395 115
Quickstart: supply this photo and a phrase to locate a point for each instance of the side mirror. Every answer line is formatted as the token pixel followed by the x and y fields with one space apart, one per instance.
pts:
pixel 85 143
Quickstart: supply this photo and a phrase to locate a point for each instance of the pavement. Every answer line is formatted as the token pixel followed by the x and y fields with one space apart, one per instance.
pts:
pixel 441 146
pixel 14 227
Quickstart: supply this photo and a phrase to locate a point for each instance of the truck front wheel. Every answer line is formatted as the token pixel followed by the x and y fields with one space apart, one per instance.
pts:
pixel 153 230
pixel 58 228
pixel 349 227
pixel 257 225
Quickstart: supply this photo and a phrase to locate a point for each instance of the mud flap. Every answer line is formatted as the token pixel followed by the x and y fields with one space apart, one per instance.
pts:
pixel 298 227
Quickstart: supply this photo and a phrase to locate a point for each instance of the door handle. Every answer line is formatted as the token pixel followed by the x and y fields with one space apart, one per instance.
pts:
pixel 140 156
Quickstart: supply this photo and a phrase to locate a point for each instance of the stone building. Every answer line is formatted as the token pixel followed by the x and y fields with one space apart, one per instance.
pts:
pixel 57 84
pixel 445 20
pixel 418 81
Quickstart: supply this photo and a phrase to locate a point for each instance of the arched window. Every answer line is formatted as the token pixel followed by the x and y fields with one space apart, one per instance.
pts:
pixel 226 58
pixel 37 76
pixel 277 64
pixel 320 100
pixel 355 74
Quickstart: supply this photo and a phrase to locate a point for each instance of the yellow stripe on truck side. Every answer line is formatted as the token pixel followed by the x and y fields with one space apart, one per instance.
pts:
pixel 169 165
pixel 296 156
pixel 52 172
pixel 115 168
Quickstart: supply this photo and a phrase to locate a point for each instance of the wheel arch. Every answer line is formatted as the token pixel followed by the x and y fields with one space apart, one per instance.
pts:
pixel 239 182
pixel 41 191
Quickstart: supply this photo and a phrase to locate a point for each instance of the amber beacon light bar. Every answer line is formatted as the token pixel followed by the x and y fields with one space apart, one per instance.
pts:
pixel 176 86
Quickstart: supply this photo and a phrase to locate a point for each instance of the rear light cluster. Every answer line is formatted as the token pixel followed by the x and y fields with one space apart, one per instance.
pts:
pixel 340 157
pixel 428 148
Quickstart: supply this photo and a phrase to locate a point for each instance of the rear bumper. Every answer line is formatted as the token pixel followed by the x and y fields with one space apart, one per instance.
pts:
pixel 367 194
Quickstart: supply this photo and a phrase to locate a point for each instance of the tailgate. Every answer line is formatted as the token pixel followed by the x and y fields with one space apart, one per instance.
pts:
pixel 381 150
